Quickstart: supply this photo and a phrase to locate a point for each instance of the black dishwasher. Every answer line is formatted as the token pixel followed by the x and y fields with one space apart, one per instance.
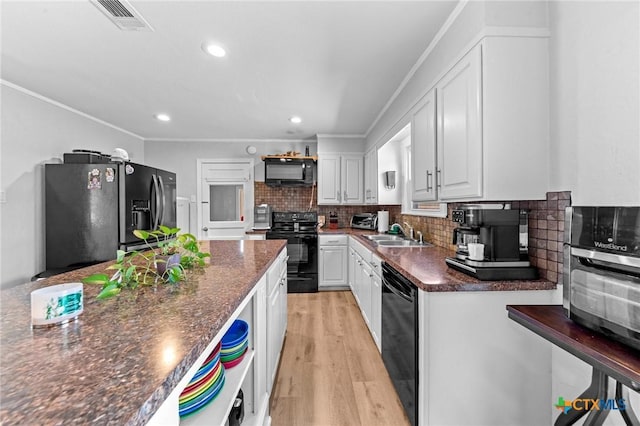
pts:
pixel 400 337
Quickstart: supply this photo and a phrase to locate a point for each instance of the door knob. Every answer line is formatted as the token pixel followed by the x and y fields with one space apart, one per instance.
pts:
pixel 205 229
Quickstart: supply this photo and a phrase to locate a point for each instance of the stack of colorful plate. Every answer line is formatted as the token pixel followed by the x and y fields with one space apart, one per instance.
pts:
pixel 234 344
pixel 205 385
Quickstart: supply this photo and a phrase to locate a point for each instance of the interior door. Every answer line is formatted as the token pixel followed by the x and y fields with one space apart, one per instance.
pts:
pixel 226 199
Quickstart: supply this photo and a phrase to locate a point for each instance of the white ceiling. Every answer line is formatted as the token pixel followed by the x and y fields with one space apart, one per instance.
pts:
pixel 335 63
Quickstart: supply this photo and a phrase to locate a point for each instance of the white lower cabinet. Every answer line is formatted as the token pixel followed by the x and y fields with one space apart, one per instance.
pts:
pixel 276 315
pixel 375 323
pixel 366 286
pixel 333 262
pixel 266 317
pixel 469 351
pixel 352 270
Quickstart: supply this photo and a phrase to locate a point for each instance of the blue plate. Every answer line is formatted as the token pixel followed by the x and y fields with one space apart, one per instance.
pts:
pixel 235 354
pixel 238 332
pixel 208 397
pixel 205 369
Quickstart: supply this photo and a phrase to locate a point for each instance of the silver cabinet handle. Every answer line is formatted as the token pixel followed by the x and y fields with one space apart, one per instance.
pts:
pixel 205 229
pixel 438 178
pixel 345 196
pixel 370 275
pixel 429 175
pixel 338 196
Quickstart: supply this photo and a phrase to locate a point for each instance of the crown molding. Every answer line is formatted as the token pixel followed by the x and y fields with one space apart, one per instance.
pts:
pixel 436 39
pixel 66 107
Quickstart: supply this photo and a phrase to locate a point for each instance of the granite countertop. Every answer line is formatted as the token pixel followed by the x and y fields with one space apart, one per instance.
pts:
pixel 426 269
pixel 121 359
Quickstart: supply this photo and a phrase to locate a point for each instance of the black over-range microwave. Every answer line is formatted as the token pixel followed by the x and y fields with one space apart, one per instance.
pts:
pixel 289 172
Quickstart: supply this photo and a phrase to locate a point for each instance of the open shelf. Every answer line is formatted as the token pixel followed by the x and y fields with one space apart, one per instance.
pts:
pixel 290 157
pixel 220 407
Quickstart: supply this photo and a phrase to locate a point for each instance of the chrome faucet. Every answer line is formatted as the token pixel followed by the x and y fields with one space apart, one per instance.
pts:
pixel 399 227
pixel 411 235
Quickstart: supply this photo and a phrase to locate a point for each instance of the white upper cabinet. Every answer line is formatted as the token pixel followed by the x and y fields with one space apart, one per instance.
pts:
pixel 491 126
pixel 423 149
pixel 329 179
pixel 515 118
pixel 459 133
pixel 371 176
pixel 340 178
pixel 352 179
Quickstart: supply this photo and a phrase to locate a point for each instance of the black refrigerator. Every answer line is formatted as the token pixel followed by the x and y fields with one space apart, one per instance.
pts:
pixel 93 209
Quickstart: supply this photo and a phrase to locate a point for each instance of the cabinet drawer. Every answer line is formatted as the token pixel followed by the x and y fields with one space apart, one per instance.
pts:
pixel 333 240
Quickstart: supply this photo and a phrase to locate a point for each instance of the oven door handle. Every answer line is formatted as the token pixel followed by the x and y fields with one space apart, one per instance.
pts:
pixel 606 257
pixel 395 291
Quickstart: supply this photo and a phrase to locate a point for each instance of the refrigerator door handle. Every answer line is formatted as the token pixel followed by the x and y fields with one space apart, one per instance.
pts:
pixel 154 201
pixel 162 203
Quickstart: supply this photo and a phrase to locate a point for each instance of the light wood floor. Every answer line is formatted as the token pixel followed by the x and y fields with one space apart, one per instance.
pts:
pixel 331 372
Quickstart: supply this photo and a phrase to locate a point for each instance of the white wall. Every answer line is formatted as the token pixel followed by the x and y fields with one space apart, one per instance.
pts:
pixel 180 157
pixel 595 119
pixel 595 101
pixel 390 158
pixel 333 144
pixel 34 132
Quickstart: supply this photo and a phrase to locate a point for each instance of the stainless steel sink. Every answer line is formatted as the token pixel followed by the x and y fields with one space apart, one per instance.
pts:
pixel 402 243
pixel 384 237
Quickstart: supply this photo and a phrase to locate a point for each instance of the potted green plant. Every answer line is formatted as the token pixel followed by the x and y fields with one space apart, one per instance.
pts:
pixel 167 264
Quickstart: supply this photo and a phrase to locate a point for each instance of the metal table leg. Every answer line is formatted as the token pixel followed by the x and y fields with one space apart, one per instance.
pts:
pixel 627 414
pixel 597 390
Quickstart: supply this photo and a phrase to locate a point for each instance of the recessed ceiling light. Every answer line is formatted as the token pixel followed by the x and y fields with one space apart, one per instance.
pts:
pixel 214 49
pixel 162 117
pixel 295 119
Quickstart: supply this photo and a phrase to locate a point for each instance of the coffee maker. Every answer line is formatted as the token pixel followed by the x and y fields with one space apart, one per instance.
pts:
pixel 492 242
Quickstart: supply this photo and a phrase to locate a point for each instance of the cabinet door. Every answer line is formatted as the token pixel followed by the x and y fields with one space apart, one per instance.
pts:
pixel 333 266
pixel 459 129
pixel 352 175
pixel 329 189
pixel 352 269
pixel 260 341
pixel 357 278
pixel 371 176
pixel 282 311
pixel 423 149
pixel 376 310
pixel 273 338
pixel 365 293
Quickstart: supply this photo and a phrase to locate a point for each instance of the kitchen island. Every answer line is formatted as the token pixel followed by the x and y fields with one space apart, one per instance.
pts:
pixel 123 357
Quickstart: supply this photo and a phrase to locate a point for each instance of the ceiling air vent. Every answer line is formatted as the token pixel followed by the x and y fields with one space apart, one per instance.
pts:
pixel 121 13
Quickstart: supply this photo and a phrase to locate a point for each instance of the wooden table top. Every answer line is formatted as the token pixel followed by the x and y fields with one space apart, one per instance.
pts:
pixel 611 357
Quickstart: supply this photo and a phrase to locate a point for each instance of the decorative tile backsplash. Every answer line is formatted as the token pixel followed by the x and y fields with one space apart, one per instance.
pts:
pixel 303 199
pixel 546 221
pixel 546 230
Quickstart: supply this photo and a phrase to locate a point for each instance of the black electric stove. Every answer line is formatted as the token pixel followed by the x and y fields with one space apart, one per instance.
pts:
pixel 300 229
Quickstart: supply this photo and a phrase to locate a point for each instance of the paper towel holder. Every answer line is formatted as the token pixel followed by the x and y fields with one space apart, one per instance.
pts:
pixel 389 178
